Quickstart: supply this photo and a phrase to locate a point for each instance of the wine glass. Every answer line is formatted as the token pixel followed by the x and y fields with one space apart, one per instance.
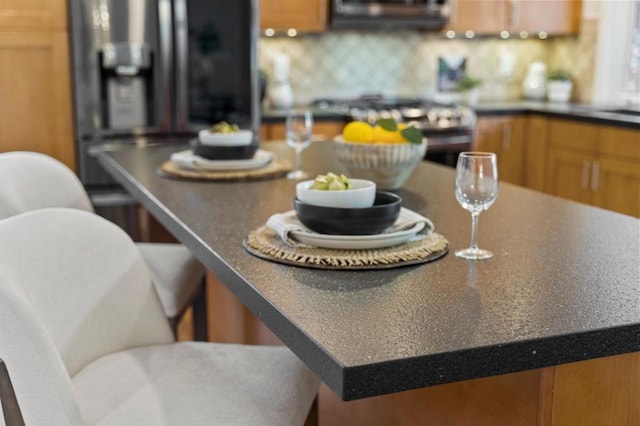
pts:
pixel 299 129
pixel 476 190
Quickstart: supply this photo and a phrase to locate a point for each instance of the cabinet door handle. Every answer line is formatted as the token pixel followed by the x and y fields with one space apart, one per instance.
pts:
pixel 585 174
pixel 595 176
pixel 506 137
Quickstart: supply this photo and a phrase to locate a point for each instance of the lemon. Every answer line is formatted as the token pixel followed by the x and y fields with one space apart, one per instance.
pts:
pixel 383 136
pixel 399 137
pixel 358 131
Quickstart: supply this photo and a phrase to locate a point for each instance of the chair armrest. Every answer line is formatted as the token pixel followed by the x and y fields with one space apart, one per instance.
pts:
pixel 10 407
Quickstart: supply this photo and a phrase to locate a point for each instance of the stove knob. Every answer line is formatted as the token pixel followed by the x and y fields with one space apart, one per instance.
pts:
pixel 385 114
pixel 372 116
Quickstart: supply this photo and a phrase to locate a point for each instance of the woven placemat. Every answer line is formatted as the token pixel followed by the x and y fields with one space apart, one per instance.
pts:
pixel 263 242
pixel 275 169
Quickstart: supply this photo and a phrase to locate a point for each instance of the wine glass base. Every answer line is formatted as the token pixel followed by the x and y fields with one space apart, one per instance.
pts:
pixel 297 175
pixel 474 254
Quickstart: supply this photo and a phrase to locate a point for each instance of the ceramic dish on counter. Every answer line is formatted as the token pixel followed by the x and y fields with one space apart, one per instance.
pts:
pixel 360 194
pixel 188 160
pixel 409 226
pixel 350 221
pixel 358 242
pixel 388 165
pixel 239 138
pixel 214 152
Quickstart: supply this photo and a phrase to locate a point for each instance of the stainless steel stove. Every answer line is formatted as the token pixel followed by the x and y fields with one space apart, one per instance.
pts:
pixel 449 128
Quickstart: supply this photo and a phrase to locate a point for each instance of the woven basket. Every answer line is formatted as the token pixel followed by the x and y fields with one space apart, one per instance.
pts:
pixel 388 165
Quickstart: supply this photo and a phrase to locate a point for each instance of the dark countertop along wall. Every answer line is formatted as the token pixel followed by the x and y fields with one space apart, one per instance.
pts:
pixel 605 114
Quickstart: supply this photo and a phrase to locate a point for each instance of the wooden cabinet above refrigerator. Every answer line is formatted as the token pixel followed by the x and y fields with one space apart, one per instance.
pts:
pixel 489 17
pixel 33 15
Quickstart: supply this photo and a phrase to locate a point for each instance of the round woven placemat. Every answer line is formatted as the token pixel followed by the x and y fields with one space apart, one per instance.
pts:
pixel 276 169
pixel 263 242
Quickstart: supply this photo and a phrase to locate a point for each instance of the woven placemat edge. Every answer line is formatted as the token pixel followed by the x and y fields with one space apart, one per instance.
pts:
pixel 317 261
pixel 249 175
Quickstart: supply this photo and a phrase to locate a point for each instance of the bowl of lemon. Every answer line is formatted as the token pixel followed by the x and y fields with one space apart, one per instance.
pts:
pixel 385 152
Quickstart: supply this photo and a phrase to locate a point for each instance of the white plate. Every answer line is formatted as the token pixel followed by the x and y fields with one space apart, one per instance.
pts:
pixel 187 160
pixel 357 242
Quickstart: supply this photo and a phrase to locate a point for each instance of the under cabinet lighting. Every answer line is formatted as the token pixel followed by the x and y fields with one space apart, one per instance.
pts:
pixel 451 34
pixel 269 32
pixel 469 34
pixel 291 32
pixel 542 35
pixel 524 35
pixel 504 34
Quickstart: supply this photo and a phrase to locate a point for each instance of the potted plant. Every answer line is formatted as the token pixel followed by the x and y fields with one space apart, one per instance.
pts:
pixel 559 85
pixel 469 87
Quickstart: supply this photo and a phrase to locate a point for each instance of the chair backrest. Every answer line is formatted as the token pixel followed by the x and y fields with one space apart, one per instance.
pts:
pixel 73 288
pixel 31 181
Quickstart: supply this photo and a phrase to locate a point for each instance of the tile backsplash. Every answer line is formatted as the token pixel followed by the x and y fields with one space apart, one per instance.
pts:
pixel 349 64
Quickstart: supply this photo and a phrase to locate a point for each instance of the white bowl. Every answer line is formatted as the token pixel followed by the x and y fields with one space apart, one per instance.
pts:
pixel 388 165
pixel 361 195
pixel 239 138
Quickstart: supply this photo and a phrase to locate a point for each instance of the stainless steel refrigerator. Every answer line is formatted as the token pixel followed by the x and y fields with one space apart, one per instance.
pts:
pixel 158 71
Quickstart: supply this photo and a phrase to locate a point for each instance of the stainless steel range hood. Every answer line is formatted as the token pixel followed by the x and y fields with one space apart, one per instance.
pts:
pixel 389 14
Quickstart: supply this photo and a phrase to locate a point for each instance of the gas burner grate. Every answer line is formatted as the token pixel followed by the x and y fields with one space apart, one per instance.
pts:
pixel 428 115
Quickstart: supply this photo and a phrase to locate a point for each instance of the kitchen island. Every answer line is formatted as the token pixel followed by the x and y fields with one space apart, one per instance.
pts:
pixel 563 285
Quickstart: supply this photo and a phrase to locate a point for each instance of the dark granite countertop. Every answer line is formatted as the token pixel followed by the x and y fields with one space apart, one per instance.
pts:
pixel 596 114
pixel 563 285
pixel 278 116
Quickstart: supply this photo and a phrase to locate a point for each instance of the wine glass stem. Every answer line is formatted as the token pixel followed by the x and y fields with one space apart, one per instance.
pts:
pixel 298 159
pixel 474 228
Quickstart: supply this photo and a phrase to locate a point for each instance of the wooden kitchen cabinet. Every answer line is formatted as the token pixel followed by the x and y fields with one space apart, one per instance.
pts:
pixel 532 16
pixel 535 155
pixel 552 17
pixel 302 15
pixel 595 164
pixel 504 135
pixel 35 88
pixel 481 17
pixel 569 174
pixel 322 130
pixel 33 15
pixel 617 170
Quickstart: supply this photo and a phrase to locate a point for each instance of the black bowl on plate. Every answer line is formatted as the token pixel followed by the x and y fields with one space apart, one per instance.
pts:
pixel 355 221
pixel 213 152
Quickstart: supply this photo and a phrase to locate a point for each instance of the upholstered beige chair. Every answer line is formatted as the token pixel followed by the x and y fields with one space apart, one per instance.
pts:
pixel 85 341
pixel 30 181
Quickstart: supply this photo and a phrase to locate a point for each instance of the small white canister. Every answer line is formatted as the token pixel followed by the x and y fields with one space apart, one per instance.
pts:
pixel 280 91
pixel 534 83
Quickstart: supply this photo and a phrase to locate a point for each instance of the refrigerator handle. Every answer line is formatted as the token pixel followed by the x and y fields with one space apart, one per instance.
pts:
pixel 256 109
pixel 181 25
pixel 164 99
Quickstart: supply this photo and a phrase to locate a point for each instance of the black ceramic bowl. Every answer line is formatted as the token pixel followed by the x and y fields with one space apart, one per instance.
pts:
pixel 211 152
pixel 357 221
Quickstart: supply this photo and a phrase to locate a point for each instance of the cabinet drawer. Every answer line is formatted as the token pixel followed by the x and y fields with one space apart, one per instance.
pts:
pixel 575 135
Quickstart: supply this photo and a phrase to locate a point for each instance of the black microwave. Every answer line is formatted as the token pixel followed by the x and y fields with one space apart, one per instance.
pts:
pixel 389 14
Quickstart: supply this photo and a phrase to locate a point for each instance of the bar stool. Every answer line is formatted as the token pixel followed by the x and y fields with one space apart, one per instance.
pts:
pixel 31 180
pixel 84 340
